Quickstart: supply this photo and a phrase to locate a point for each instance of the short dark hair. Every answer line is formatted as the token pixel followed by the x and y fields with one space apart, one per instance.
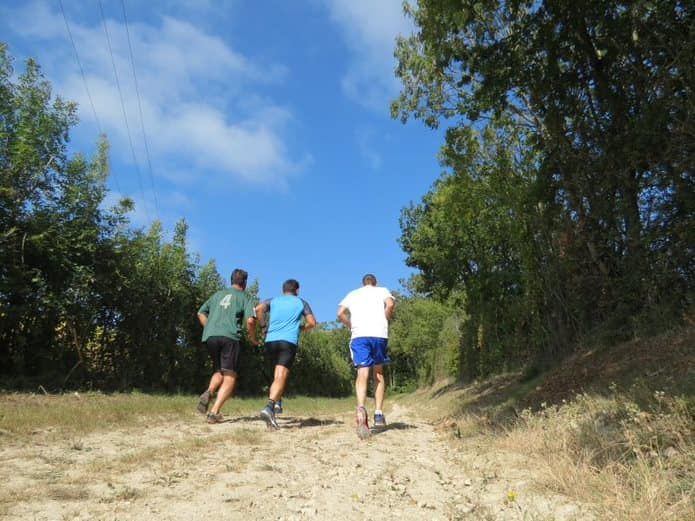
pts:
pixel 239 277
pixel 369 279
pixel 290 286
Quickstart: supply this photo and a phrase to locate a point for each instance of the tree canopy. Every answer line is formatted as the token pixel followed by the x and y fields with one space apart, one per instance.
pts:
pixel 567 201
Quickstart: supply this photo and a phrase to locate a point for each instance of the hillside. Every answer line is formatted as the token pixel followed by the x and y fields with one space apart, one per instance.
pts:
pixel 611 428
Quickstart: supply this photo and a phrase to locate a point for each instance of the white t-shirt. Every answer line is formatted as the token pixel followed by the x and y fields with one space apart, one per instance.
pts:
pixel 367 315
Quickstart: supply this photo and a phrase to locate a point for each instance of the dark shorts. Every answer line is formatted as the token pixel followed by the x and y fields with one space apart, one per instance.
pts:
pixel 224 353
pixel 281 353
pixel 367 351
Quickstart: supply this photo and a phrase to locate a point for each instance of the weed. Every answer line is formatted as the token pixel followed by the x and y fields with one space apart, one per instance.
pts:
pixel 67 493
pixel 127 494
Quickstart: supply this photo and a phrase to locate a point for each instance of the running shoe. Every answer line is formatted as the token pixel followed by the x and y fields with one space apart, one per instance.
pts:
pixel 278 407
pixel 362 422
pixel 268 417
pixel 214 417
pixel 379 420
pixel 204 402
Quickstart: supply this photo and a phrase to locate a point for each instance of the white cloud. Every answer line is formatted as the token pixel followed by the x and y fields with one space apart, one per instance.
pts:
pixel 365 144
pixel 370 30
pixel 194 91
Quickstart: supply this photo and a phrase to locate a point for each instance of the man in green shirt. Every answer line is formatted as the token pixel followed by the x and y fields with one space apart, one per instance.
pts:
pixel 222 318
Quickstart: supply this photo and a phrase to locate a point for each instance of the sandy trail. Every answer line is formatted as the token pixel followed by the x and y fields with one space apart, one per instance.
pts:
pixel 313 468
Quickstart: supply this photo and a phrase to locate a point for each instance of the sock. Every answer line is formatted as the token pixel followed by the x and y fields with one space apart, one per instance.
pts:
pixel 378 411
pixel 271 403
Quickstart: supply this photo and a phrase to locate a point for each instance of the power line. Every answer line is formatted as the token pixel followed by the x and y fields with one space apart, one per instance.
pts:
pixel 84 79
pixel 79 63
pixel 142 119
pixel 125 115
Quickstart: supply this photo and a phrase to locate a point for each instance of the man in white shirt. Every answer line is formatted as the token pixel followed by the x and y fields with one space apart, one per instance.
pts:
pixel 366 312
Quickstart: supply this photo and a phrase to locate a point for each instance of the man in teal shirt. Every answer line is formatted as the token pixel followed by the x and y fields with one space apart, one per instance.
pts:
pixel 222 317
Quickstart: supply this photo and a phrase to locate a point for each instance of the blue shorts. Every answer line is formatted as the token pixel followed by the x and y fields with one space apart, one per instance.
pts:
pixel 367 351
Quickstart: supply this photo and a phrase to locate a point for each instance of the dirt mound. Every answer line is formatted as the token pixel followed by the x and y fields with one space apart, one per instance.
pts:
pixel 665 362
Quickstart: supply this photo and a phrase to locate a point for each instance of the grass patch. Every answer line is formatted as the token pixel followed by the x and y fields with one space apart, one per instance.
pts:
pixel 627 449
pixel 127 494
pixel 629 461
pixel 76 414
pixel 67 493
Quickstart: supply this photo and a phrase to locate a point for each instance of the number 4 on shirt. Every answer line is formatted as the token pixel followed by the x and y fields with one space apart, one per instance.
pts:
pixel 226 301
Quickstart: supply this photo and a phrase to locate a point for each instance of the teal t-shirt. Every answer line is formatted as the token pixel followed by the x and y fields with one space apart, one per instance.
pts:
pixel 286 314
pixel 227 311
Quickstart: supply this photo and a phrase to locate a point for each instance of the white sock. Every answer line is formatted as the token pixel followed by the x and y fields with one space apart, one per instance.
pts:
pixel 378 411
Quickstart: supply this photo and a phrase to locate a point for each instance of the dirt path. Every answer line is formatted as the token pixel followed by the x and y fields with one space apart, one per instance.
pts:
pixel 314 468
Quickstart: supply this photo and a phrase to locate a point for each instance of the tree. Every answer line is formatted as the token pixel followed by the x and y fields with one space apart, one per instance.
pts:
pixel 603 92
pixel 85 300
pixel 50 225
pixel 424 342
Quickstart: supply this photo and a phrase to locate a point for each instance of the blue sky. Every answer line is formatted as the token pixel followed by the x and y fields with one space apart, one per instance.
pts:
pixel 267 125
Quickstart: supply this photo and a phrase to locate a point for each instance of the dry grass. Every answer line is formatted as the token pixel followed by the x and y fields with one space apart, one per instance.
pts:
pixel 67 493
pixel 74 415
pixel 628 461
pixel 623 461
pixel 627 453
pixel 77 414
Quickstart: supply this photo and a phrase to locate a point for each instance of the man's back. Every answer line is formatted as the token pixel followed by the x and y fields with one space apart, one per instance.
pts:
pixel 226 310
pixel 367 315
pixel 286 312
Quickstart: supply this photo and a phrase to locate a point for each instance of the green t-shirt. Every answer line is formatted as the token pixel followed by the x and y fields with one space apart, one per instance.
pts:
pixel 227 312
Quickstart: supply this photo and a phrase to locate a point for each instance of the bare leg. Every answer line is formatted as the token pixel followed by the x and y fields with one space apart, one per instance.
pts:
pixel 361 383
pixel 215 382
pixel 380 389
pixel 226 390
pixel 279 383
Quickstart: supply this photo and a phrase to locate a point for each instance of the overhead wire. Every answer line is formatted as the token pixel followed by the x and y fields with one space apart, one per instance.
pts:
pixel 125 115
pixel 84 79
pixel 142 119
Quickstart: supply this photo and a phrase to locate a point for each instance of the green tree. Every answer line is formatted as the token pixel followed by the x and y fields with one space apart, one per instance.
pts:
pixel 323 364
pixel 423 342
pixel 52 230
pixel 84 298
pixel 600 96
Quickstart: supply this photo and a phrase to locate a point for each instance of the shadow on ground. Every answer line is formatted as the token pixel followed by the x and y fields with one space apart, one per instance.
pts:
pixel 395 426
pixel 299 423
pixel 287 422
pixel 238 419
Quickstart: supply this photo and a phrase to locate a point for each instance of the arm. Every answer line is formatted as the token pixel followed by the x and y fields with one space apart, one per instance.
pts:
pixel 310 323
pixel 260 313
pixel 343 316
pixel 388 309
pixel 204 312
pixel 251 330
pixel 202 318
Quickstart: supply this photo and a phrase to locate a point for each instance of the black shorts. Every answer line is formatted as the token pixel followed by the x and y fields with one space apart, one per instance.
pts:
pixel 224 353
pixel 281 353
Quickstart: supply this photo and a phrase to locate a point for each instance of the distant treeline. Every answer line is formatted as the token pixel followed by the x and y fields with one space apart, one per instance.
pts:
pixel 89 301
pixel 566 208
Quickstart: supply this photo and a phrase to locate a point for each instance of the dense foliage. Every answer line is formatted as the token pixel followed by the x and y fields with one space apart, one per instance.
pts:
pixel 88 301
pixel 567 203
pixel 84 299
